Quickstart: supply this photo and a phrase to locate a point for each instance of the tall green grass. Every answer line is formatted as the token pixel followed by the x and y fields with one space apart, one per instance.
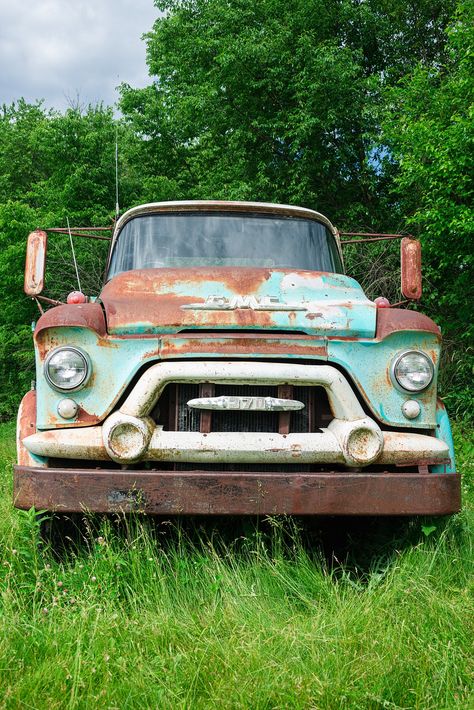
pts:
pixel 276 614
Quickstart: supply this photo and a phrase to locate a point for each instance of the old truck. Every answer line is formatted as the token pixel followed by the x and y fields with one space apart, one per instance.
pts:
pixel 230 366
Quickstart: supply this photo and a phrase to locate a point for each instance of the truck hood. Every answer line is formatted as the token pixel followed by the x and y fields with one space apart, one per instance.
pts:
pixel 160 301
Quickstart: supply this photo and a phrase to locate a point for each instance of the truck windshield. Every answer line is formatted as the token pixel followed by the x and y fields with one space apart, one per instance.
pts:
pixel 180 240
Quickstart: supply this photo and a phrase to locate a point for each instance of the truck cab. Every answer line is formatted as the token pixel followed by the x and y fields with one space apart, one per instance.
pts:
pixel 230 366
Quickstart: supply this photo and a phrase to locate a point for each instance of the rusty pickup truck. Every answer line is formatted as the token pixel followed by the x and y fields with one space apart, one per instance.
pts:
pixel 230 366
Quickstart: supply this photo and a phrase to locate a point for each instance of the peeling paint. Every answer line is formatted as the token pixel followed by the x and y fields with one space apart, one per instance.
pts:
pixel 166 296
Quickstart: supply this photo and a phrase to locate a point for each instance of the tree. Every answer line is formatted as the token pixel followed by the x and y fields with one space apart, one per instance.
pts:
pixel 52 167
pixel 278 101
pixel 429 131
pixel 16 357
pixel 357 109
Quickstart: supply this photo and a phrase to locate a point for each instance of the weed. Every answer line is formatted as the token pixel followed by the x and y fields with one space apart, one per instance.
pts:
pixel 275 613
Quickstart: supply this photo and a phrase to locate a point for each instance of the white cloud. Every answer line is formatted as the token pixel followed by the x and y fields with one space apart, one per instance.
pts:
pixel 61 50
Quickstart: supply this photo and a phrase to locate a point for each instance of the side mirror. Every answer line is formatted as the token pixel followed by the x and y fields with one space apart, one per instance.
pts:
pixel 35 263
pixel 410 258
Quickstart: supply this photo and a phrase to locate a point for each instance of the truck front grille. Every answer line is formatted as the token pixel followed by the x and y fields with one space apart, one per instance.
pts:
pixel 175 415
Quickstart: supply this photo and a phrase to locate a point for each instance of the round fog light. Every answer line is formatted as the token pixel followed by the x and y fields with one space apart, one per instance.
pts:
pixel 67 408
pixel 411 409
pixel 126 438
pixel 364 444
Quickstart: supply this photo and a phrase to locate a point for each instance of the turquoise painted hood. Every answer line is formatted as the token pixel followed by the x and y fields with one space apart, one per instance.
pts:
pixel 160 301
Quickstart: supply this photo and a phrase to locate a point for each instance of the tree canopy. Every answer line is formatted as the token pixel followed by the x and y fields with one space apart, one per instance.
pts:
pixel 280 101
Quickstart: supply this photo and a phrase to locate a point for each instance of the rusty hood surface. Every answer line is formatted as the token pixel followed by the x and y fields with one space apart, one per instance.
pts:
pixel 158 301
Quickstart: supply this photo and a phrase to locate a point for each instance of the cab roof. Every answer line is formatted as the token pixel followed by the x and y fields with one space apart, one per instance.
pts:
pixel 221 206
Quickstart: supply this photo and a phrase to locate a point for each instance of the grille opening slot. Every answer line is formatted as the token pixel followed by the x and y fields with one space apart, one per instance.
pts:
pixel 243 420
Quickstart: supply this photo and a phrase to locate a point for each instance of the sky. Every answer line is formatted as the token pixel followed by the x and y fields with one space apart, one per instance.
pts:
pixel 71 52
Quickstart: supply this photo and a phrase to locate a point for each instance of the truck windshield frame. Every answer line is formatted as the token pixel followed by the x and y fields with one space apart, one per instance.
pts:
pixel 208 239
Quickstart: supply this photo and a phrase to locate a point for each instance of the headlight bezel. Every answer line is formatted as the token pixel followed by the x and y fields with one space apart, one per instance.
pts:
pixel 87 363
pixel 393 371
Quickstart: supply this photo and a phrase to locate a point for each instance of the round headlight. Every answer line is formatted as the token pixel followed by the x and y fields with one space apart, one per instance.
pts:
pixel 413 371
pixel 67 368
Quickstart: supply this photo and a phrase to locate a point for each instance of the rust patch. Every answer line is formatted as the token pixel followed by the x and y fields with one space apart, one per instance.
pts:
pixel 148 296
pixel 206 389
pixel 45 342
pixel 107 343
pixel 26 425
pixel 85 418
pixel 164 280
pixel 312 316
pixel 410 256
pixel 391 320
pixel 83 315
pixel 239 345
pixel 284 418
pixel 227 493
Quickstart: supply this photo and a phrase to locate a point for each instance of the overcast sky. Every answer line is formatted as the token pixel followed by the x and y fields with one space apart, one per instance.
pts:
pixel 58 50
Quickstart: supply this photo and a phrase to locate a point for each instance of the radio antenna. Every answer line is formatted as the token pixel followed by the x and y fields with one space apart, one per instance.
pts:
pixel 73 254
pixel 117 208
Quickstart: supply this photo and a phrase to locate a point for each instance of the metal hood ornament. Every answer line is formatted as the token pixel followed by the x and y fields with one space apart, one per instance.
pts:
pixel 255 303
pixel 254 404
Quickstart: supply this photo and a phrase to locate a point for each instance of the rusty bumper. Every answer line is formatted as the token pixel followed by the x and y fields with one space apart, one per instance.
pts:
pixel 248 493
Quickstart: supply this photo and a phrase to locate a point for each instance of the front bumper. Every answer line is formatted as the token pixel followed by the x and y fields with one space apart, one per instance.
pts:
pixel 249 493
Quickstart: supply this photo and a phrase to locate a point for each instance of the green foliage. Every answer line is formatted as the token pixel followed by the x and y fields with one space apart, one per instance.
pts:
pixel 277 101
pixel 16 356
pixel 431 134
pixel 275 615
pixel 360 110
pixel 53 167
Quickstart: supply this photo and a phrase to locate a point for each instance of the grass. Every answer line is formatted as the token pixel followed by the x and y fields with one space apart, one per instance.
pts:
pixel 233 615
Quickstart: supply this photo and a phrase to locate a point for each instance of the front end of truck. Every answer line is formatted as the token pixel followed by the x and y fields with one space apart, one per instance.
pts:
pixel 229 366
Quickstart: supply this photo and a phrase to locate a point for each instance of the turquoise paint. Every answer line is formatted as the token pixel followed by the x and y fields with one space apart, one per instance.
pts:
pixel 366 361
pixel 113 366
pixel 368 364
pixel 334 304
pixel 443 432
pixel 40 460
